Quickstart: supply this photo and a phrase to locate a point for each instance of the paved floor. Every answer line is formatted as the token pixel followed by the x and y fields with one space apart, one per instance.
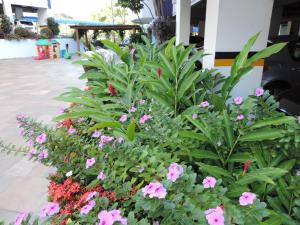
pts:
pixel 28 87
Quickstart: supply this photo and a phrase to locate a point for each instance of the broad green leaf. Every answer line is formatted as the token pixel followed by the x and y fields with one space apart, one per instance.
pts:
pixel 214 170
pixel 104 124
pixel 130 133
pixel 193 135
pixel 201 154
pixel 186 83
pixel 218 102
pixel 243 55
pixel 265 53
pixel 272 122
pixel 240 157
pixel 262 134
pixel 168 50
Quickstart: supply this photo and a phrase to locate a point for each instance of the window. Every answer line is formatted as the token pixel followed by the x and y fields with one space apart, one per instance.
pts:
pixel 285 28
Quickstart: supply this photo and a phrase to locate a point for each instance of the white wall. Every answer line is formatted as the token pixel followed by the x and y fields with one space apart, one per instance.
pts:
pixel 238 20
pixel 33 3
pixel 27 48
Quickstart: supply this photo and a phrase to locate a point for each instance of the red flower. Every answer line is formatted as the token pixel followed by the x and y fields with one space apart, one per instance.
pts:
pixel 67 123
pixel 112 90
pixel 158 72
pixel 246 166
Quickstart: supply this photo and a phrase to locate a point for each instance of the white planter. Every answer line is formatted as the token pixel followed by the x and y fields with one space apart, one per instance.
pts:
pixel 27 48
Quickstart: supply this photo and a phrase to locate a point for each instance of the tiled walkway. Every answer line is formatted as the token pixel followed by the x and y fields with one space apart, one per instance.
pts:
pixel 28 86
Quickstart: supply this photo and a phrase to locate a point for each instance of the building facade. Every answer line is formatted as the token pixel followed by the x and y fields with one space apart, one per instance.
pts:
pixel 14 9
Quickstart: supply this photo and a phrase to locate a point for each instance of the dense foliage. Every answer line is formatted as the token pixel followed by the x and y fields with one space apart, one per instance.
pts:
pixel 5 24
pixel 53 26
pixel 156 140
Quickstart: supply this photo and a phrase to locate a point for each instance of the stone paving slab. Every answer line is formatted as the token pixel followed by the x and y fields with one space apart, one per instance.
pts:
pixel 28 87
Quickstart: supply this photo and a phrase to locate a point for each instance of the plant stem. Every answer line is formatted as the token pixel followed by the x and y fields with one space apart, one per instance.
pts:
pixel 231 150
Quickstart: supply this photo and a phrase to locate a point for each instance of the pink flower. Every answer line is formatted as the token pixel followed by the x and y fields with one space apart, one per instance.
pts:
pixel 21 217
pixel 22 132
pixel 142 101
pixel 96 134
pixel 105 218
pixel 90 162
pixel 87 208
pixel 91 195
pixel 123 118
pixel 109 217
pixel 155 223
pixel 43 155
pixel 204 104
pixel 240 117
pixel 120 140
pixel 238 100
pixel 20 116
pixel 50 209
pixel 32 152
pixel 209 182
pixel 30 143
pixel 175 170
pixel 41 138
pixel 154 190
pixel 101 176
pixel 215 216
pixel 145 118
pixel 132 109
pixel 195 116
pixel 259 92
pixel 247 198
pixel 105 139
pixel 71 130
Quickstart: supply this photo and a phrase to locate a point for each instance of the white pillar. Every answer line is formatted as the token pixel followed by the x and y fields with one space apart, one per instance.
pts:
pixel 229 25
pixel 8 10
pixel 210 34
pixel 183 18
pixel 42 16
pixel 19 13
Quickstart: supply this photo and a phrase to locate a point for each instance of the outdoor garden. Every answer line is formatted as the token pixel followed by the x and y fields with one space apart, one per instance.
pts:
pixel 156 140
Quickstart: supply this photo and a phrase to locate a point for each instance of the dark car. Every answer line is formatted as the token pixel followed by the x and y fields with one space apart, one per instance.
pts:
pixel 282 75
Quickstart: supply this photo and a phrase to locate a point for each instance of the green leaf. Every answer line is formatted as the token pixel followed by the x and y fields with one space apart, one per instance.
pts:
pixel 236 190
pixel 168 50
pixel 265 53
pixel 160 98
pixel 104 124
pixel 186 83
pixel 193 135
pixel 274 121
pixel 240 157
pixel 214 170
pixel 218 102
pixel 228 130
pixel 201 154
pixel 262 134
pixel 243 55
pixel 130 133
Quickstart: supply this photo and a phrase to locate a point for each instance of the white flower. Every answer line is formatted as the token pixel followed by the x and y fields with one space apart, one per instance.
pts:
pixel 70 173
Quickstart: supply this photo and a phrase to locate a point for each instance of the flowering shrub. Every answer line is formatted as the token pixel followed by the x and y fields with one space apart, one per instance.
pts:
pixel 151 141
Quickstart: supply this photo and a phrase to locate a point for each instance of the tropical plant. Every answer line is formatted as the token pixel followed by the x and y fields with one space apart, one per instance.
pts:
pixel 53 26
pixel 5 24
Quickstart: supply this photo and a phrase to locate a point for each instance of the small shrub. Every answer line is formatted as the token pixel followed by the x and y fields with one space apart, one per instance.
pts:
pixel 136 38
pixel 5 25
pixel 24 33
pixel 12 37
pixel 45 33
pixel 2 34
pixel 53 26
